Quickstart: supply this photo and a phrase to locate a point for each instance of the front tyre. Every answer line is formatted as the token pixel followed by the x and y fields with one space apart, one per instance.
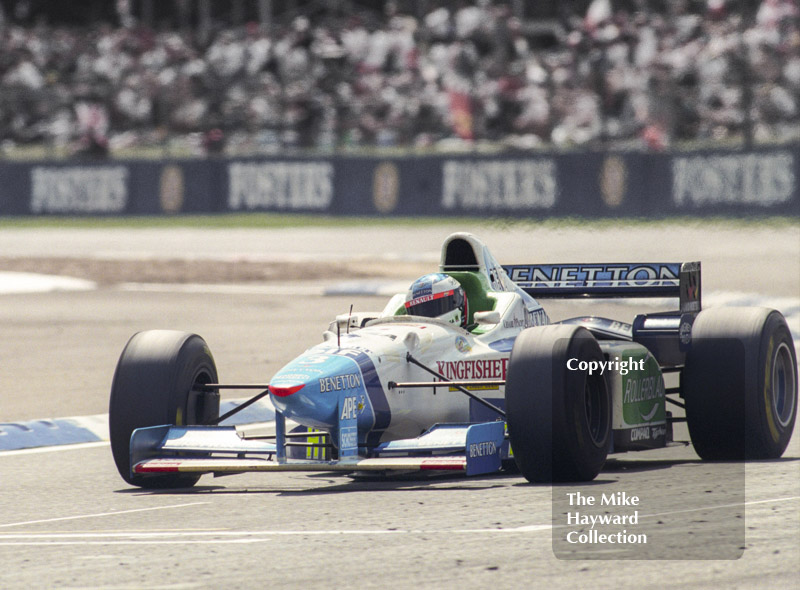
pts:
pixel 156 383
pixel 740 384
pixel 559 420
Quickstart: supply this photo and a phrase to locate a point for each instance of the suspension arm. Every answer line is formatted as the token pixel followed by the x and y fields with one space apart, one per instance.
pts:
pixel 456 384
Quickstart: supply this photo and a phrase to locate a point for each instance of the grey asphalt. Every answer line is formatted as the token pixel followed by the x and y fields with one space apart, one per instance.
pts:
pixel 68 521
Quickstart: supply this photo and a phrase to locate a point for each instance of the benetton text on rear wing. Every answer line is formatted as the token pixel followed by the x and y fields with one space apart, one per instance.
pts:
pixel 637 279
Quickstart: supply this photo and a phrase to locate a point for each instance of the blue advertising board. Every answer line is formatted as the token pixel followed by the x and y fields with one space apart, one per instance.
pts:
pixel 514 184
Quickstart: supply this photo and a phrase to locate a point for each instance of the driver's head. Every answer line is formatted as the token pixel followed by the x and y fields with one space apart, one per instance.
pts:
pixel 438 296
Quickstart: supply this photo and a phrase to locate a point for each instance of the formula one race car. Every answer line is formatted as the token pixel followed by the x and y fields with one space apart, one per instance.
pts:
pixel 466 372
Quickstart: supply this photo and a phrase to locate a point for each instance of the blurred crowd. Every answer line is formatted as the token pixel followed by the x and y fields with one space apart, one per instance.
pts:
pixel 462 74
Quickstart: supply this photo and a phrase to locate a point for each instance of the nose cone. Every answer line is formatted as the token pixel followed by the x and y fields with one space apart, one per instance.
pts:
pixel 308 389
pixel 286 390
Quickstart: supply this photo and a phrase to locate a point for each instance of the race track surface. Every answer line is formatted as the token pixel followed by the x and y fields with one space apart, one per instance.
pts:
pixel 69 521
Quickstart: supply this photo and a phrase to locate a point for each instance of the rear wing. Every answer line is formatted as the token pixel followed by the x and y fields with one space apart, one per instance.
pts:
pixel 618 280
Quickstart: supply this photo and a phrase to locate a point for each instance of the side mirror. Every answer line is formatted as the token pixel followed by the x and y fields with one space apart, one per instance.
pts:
pixel 350 322
pixel 486 317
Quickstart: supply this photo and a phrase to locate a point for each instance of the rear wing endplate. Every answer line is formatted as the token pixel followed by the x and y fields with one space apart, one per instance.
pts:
pixel 618 280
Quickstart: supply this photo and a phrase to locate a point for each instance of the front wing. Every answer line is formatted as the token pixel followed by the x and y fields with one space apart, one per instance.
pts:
pixel 469 448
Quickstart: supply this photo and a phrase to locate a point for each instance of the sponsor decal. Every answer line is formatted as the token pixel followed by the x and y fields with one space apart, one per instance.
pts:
pixel 482 449
pixel 650 434
pixel 385 187
pixel 643 389
pixel 79 189
pixel 302 377
pixel 643 398
pixel 462 345
pixel 510 450
pixel 420 296
pixel 473 369
pixel 595 275
pixel 691 306
pixel 349 408
pixel 280 185
pixel 605 325
pixel 514 323
pixel 690 287
pixel 499 185
pixel 352 407
pixel 424 298
pixel 495 271
pixel 339 382
pixel 736 179
pixel 424 286
pixel 171 189
pixel 537 317
pixel 649 415
pixel 348 438
pixel 476 388
pixel 483 445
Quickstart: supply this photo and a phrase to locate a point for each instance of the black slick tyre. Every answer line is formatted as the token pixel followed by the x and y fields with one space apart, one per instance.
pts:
pixel 559 420
pixel 740 384
pixel 156 383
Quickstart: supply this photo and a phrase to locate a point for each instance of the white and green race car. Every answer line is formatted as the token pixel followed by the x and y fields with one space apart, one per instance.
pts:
pixel 393 391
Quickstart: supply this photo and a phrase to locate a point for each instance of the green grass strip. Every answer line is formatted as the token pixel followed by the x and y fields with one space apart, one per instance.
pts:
pixel 286 220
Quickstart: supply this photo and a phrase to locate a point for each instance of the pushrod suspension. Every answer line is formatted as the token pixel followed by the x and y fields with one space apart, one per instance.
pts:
pixel 241 406
pixel 421 384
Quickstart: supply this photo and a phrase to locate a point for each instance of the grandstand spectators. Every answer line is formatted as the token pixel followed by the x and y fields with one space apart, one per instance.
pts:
pixel 460 74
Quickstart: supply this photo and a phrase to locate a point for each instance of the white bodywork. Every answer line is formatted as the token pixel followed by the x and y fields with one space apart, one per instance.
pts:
pixel 377 355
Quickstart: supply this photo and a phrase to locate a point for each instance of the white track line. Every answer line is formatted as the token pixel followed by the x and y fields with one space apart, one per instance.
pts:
pixel 721 506
pixel 99 514
pixel 28 282
pixel 228 537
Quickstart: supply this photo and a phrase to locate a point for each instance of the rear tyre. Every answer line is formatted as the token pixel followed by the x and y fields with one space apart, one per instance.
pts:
pixel 740 384
pixel 156 383
pixel 559 420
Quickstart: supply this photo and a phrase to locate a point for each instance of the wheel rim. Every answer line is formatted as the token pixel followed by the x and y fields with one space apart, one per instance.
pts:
pixel 195 401
pixel 783 385
pixel 596 409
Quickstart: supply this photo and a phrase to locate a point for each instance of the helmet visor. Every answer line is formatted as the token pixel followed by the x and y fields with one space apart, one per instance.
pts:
pixel 431 306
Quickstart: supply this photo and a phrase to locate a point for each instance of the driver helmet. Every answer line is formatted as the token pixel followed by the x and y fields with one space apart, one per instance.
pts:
pixel 438 296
